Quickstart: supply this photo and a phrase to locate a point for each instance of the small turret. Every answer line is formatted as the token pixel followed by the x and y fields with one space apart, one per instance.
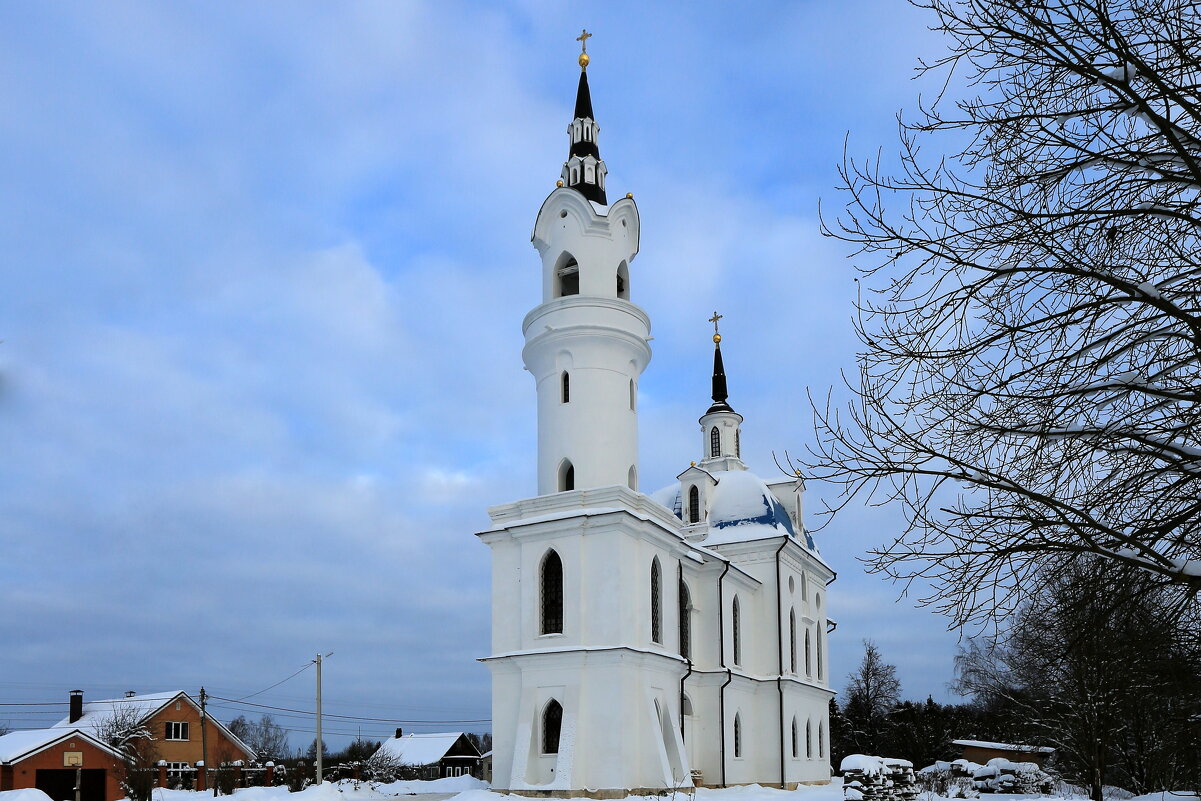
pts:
pixel 721 426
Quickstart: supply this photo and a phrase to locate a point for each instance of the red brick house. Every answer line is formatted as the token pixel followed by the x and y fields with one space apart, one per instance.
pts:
pixel 173 720
pixel 53 760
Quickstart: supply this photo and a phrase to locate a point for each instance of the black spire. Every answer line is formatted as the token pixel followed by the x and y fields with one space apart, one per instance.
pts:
pixel 719 380
pixel 583 98
pixel 584 171
pixel 719 372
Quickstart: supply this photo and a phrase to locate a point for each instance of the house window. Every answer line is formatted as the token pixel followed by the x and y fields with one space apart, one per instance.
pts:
pixel 685 621
pixel 623 281
pixel 694 505
pixel 552 593
pixel 736 625
pixel 566 476
pixel 792 639
pixel 737 736
pixel 552 722
pixel 565 384
pixel 656 602
pixel 714 442
pixel 809 739
pixel 808 656
pixel 177 730
pixel 821 739
pixel 795 750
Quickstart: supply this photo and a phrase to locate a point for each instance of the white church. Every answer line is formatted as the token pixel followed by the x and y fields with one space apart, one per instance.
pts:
pixel 642 642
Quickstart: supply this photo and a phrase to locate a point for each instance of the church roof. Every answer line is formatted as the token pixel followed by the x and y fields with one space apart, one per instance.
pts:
pixel 742 509
pixel 583 97
pixel 720 393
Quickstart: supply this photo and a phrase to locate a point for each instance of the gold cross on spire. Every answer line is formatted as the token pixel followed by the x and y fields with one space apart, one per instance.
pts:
pixel 714 319
pixel 583 40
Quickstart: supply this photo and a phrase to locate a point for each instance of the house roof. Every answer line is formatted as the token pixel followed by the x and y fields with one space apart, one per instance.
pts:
pixel 1020 748
pixel 98 714
pixel 420 749
pixel 17 745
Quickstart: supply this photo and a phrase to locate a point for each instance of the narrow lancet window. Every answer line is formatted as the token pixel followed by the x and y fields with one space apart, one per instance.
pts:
pixel 808 656
pixel 656 601
pixel 551 594
pixel 809 739
pixel 685 621
pixel 714 442
pixel 792 639
pixel 552 724
pixel 736 631
pixel 737 736
pixel 565 387
pixel 566 476
pixel 694 504
pixel 795 751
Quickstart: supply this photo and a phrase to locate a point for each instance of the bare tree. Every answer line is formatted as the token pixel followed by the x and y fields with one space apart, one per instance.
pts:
pixel 265 737
pixel 1030 380
pixel 124 729
pixel 1093 667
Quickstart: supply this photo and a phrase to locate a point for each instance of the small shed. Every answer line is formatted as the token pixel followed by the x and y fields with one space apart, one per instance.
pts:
pixel 981 752
pixel 436 755
pixel 54 760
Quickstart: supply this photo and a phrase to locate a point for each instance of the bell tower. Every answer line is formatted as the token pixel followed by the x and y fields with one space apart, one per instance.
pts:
pixel 586 343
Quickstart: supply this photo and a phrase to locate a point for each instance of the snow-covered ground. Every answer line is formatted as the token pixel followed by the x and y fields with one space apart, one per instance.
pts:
pixel 465 788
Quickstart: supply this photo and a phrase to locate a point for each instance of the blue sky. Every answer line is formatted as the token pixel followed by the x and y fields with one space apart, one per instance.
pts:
pixel 265 269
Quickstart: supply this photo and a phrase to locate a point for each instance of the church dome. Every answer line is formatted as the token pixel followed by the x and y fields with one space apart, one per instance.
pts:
pixel 741 508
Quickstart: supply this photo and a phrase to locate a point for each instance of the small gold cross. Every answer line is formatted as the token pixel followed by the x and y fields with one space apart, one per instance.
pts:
pixel 714 320
pixel 583 40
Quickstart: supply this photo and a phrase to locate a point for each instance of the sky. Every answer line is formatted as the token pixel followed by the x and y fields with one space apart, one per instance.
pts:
pixel 265 267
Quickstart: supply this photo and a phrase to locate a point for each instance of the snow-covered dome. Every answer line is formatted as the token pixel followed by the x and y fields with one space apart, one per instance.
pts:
pixel 741 508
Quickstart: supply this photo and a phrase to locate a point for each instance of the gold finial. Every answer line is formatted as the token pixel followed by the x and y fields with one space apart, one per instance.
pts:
pixel 559 182
pixel 583 40
pixel 714 319
pixel 630 195
pixel 693 463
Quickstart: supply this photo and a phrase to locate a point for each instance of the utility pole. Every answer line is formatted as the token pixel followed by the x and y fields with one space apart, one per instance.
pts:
pixel 320 743
pixel 204 738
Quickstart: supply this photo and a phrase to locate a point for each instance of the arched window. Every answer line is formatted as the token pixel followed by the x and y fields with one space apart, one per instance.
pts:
pixel 714 442
pixel 552 724
pixel 694 505
pixel 686 706
pixel 632 477
pixel 809 739
pixel 565 386
pixel 738 735
pixel 685 621
pixel 808 656
pixel 569 274
pixel 738 442
pixel 656 601
pixel 551 593
pixel 821 739
pixel 623 281
pixel 736 626
pixel 566 476
pixel 795 750
pixel 820 670
pixel 633 396
pixel 792 639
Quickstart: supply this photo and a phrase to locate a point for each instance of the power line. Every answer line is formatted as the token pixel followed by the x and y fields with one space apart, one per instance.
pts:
pixel 345 717
pixel 281 681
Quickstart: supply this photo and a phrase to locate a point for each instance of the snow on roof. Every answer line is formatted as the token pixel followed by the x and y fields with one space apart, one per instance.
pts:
pixel 98 714
pixel 419 749
pixel 1025 749
pixel 17 744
